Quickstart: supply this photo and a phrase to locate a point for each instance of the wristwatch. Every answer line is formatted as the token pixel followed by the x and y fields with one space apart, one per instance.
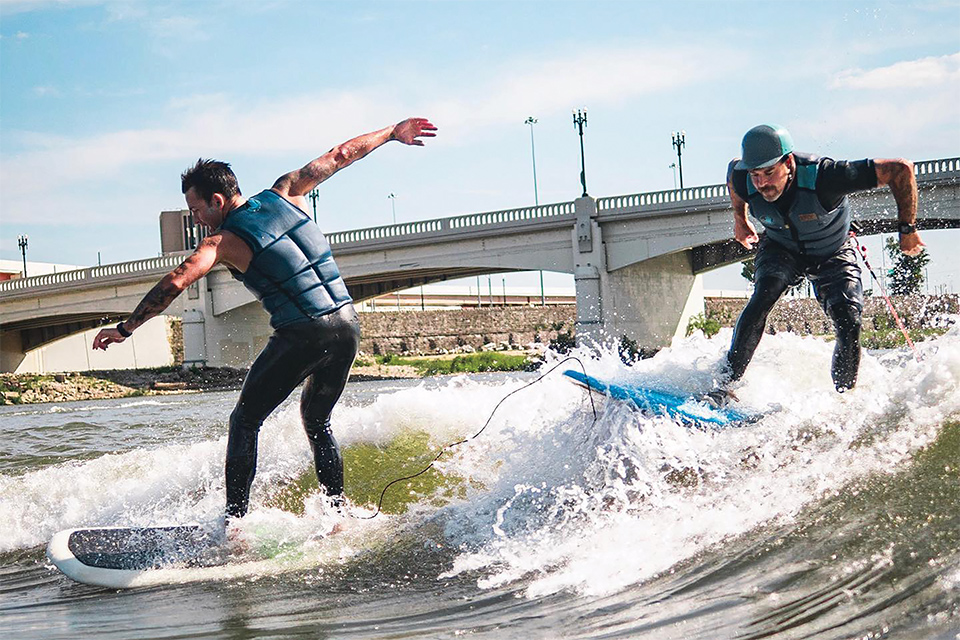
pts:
pixel 905 228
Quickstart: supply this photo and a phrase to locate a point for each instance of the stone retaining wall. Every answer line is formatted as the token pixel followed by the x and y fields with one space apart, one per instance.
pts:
pixel 804 315
pixel 412 332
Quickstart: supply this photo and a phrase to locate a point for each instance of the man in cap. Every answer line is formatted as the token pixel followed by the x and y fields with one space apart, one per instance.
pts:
pixel 800 199
pixel 270 244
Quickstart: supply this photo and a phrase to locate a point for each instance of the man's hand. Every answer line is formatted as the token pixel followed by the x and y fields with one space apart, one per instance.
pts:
pixel 744 232
pixel 911 244
pixel 106 337
pixel 410 129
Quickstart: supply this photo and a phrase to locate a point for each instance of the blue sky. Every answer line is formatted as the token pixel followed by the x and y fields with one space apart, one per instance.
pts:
pixel 104 103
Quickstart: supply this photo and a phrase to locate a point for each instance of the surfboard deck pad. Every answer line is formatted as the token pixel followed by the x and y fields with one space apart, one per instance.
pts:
pixel 111 556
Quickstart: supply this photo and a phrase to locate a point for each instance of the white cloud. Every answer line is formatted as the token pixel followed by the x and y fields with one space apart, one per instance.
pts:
pixel 211 124
pixel 308 124
pixel 924 72
pixel 22 6
pixel 45 91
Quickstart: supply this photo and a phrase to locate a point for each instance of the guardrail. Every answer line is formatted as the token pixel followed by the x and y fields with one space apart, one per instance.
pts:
pixel 657 198
pixel 91 274
pixel 932 170
pixel 439 225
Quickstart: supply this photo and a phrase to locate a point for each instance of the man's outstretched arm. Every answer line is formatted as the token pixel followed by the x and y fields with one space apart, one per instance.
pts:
pixel 299 183
pixel 197 265
pixel 898 173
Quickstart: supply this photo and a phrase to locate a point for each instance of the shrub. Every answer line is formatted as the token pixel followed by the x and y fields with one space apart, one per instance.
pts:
pixel 706 323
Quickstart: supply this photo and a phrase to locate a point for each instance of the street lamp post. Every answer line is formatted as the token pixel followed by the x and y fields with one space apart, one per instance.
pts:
pixel 533 153
pixel 536 196
pixel 22 243
pixel 673 165
pixel 579 122
pixel 679 141
pixel 314 196
pixel 393 206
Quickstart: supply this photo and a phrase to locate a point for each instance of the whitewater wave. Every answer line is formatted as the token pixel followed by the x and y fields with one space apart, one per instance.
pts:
pixel 556 500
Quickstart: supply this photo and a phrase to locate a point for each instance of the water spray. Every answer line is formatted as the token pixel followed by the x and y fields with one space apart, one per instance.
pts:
pixel 485 425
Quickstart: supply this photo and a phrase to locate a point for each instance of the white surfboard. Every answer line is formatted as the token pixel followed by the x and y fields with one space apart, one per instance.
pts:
pixel 119 556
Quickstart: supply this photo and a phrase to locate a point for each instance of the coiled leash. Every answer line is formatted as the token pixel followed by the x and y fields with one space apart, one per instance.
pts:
pixel 883 291
pixel 485 424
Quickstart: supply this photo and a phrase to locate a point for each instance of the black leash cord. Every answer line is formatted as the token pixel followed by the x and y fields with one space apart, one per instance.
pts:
pixel 485 425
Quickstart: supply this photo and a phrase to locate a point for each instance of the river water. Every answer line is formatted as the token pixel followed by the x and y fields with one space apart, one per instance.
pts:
pixel 833 516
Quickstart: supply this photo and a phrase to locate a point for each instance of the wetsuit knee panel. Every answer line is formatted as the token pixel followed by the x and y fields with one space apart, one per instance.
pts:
pixel 847 319
pixel 242 419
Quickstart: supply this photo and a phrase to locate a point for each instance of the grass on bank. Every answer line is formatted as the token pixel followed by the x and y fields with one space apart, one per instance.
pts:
pixel 893 339
pixel 465 363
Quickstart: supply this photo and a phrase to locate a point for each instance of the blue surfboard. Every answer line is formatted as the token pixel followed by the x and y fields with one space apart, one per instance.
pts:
pixel 687 409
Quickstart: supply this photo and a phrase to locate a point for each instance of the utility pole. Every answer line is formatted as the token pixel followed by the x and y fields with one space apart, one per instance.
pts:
pixel 679 141
pixel 314 196
pixel 22 243
pixel 579 122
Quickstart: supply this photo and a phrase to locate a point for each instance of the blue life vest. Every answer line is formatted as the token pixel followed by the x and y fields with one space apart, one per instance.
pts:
pixel 809 228
pixel 292 271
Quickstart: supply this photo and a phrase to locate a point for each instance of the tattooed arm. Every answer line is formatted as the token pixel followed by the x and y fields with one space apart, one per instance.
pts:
pixel 213 249
pixel 295 185
pixel 898 173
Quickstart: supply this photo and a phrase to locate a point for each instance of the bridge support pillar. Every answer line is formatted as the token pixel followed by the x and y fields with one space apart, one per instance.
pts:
pixel 589 271
pixel 648 302
pixel 11 351
pixel 651 302
pixel 194 339
pixel 222 327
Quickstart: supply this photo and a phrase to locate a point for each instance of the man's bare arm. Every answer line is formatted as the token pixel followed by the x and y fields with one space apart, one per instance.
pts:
pixel 743 230
pixel 197 265
pixel 898 174
pixel 299 183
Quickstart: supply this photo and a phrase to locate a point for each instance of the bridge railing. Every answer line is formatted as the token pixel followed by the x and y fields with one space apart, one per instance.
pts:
pixel 90 274
pixel 932 167
pixel 447 224
pixel 656 198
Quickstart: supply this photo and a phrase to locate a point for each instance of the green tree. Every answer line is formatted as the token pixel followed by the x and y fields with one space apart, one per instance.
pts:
pixel 906 275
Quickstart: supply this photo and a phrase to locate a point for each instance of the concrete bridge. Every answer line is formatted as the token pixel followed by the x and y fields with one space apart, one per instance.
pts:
pixel 635 260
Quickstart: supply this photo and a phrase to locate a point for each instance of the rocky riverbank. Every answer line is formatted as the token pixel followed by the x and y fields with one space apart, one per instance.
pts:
pixel 28 388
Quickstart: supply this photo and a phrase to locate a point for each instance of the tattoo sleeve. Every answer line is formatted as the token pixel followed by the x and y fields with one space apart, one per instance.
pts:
pixel 156 300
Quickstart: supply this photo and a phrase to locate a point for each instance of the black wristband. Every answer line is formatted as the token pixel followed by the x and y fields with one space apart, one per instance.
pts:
pixel 123 332
pixel 905 228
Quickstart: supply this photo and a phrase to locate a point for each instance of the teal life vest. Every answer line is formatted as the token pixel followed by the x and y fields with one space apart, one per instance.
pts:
pixel 809 228
pixel 292 272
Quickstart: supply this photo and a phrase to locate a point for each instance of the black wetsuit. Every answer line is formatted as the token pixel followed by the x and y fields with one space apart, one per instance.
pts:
pixel 317 334
pixel 318 352
pixel 835 277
